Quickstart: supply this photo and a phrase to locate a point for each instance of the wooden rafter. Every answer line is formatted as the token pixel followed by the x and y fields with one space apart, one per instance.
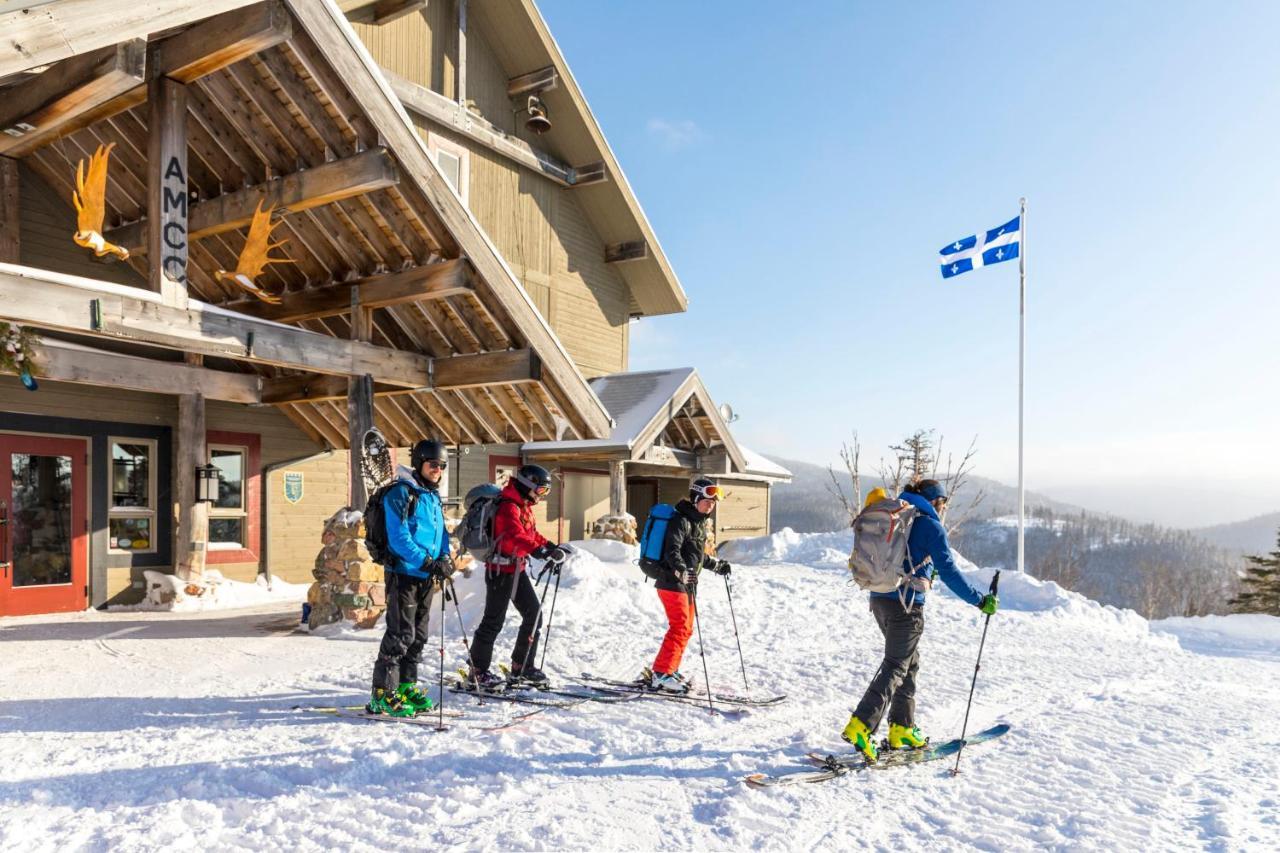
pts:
pixel 68 363
pixel 362 173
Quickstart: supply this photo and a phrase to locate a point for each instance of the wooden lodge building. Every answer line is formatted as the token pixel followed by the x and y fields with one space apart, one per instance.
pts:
pixel 292 220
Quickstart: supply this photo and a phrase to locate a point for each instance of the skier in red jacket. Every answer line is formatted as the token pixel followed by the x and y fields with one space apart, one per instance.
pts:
pixel 516 539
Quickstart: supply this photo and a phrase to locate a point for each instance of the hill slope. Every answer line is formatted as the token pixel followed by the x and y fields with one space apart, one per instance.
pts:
pixel 1251 536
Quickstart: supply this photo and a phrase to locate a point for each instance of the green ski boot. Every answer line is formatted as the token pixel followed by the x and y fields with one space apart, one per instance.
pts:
pixel 382 702
pixel 857 733
pixel 413 698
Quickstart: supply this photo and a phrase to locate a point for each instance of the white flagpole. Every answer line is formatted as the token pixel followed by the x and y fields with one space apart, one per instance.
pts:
pixel 1022 358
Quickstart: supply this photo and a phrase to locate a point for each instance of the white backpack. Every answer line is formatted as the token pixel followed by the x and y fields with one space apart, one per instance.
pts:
pixel 880 535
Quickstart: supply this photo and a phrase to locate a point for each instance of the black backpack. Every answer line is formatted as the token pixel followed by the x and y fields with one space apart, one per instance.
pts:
pixel 375 522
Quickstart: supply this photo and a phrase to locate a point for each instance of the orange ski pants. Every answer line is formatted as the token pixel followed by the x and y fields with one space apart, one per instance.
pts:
pixel 679 607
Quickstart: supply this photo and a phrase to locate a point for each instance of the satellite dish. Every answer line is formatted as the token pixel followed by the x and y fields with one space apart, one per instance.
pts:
pixel 726 412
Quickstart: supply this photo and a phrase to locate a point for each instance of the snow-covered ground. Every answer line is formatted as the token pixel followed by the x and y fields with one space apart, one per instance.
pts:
pixel 130 731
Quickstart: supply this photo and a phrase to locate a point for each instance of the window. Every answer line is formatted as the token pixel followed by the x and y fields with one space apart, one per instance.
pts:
pixel 228 515
pixel 131 512
pixel 453 161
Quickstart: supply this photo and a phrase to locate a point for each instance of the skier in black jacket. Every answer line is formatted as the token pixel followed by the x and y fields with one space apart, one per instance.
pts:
pixel 684 555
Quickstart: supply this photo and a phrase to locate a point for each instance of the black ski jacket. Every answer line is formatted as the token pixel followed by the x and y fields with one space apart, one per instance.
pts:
pixel 685 547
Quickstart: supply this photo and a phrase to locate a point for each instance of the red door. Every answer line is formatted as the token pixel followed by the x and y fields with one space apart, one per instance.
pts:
pixel 44 544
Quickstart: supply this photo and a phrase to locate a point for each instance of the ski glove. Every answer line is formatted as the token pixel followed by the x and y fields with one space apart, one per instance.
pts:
pixel 989 604
pixel 555 559
pixel 722 567
pixel 688 577
pixel 441 567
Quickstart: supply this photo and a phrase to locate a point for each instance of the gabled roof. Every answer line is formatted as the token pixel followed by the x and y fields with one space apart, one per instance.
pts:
pixel 671 405
pixel 519 36
pixel 276 118
pixel 762 466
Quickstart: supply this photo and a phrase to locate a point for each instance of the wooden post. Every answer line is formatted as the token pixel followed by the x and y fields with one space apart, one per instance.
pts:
pixel 359 404
pixel 191 540
pixel 167 229
pixel 617 487
pixel 8 210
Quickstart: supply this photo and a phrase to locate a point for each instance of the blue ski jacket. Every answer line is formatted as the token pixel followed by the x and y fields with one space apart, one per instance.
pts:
pixel 417 535
pixel 930 553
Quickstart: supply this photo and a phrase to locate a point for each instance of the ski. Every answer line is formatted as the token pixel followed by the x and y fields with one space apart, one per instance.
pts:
pixel 459 686
pixel 636 687
pixel 835 766
pixel 357 712
pixel 588 692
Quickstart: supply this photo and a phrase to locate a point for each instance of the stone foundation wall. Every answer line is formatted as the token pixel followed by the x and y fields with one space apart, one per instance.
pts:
pixel 619 528
pixel 348 583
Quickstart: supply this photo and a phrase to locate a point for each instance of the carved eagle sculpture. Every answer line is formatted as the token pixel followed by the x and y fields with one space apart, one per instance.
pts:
pixel 89 198
pixel 254 256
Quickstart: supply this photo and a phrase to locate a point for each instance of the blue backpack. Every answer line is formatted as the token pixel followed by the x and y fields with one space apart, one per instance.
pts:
pixel 653 539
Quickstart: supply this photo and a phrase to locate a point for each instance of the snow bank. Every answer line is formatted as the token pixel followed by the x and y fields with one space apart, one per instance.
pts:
pixel 169 593
pixel 786 546
pixel 1254 635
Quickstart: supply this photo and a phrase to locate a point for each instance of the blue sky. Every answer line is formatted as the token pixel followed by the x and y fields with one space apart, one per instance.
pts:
pixel 803 163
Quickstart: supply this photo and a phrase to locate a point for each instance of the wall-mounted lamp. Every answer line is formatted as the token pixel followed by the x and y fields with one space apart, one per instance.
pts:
pixel 207 480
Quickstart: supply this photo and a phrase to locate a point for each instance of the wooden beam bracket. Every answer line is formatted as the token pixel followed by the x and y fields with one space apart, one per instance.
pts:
pixel 631 250
pixel 542 80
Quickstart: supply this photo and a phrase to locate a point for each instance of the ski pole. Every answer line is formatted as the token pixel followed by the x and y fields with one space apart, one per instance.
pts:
pixel 440 726
pixel 453 592
pixel 995 583
pixel 528 649
pixel 693 599
pixel 741 661
pixel 551 617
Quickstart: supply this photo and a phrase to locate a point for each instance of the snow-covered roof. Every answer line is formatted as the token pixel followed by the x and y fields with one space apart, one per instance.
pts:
pixel 633 400
pixel 758 464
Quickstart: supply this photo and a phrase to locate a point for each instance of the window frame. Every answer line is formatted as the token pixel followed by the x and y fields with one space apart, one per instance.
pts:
pixel 241 512
pixel 250 444
pixel 437 143
pixel 151 513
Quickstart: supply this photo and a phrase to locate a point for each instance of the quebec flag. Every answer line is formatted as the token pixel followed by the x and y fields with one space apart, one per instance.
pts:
pixel 997 245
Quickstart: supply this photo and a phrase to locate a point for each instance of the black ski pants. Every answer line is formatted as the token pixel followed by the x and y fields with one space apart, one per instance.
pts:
pixel 408 609
pixel 500 590
pixel 894 685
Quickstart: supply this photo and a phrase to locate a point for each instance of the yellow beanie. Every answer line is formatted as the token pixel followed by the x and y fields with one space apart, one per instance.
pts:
pixel 876 494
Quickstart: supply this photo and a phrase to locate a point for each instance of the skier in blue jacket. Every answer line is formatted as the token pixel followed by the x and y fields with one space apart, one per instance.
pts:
pixel 900 616
pixel 419 557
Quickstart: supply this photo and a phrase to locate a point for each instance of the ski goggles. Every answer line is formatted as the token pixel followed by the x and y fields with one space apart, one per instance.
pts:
pixel 541 491
pixel 437 464
pixel 712 492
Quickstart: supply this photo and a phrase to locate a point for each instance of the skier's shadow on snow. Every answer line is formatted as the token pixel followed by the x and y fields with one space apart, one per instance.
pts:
pixel 129 713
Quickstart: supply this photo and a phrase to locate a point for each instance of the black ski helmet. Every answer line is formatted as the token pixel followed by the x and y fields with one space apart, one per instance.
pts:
pixel 532 481
pixel 425 451
pixel 704 487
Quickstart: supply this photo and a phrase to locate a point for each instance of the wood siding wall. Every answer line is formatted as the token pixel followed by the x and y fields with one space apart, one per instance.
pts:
pixel 537 226
pixel 45 226
pixel 744 511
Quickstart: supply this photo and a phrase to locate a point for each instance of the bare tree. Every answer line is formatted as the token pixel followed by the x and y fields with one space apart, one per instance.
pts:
pixel 954 479
pixel 916 454
pixel 850 455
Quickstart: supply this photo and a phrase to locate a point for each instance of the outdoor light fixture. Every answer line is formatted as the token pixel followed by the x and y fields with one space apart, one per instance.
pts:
pixel 207 480
pixel 539 120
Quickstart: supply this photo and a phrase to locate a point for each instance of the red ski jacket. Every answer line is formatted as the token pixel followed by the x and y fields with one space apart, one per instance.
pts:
pixel 515 534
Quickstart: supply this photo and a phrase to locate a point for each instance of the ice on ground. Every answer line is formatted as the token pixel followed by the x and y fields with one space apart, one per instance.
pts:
pixel 142 731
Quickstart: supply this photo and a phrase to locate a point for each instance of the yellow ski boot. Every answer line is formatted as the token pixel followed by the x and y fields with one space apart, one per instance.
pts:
pixel 860 736
pixel 901 737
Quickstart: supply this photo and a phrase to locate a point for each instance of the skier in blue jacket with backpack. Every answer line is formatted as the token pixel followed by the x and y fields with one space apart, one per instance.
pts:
pixel 900 616
pixel 417 546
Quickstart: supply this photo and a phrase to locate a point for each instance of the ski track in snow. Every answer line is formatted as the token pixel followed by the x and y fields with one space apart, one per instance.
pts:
pixel 138 731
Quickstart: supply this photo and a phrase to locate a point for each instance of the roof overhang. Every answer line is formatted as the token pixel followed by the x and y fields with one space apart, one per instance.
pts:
pixel 292 111
pixel 521 40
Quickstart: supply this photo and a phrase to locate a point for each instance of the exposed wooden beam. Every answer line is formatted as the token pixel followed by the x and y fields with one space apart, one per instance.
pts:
pixel 52 32
pixel 489 368
pixel 167 238
pixel 187 56
pixel 379 12
pixel 439 108
pixel 48 300
pixel 63 362
pixel 223 41
pixel 69 95
pixel 462 54
pixel 429 281
pixel 191 533
pixel 9 201
pixel 590 173
pixel 631 250
pixel 542 80
pixel 448 374
pixel 365 172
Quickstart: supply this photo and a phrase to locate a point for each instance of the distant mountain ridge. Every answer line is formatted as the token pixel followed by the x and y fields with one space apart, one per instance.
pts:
pixel 1255 535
